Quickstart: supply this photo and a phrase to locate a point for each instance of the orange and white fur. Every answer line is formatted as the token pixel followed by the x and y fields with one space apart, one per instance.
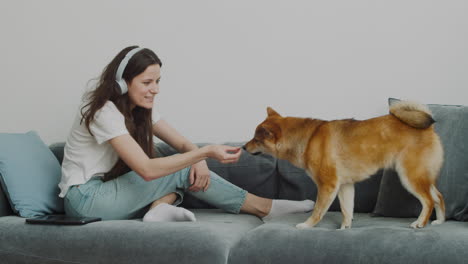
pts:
pixel 336 154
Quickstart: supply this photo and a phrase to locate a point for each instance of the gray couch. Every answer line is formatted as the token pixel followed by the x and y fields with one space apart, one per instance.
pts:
pixel 219 237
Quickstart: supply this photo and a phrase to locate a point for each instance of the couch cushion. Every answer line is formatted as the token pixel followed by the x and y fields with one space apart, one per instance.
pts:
pixel 451 126
pixel 370 240
pixel 125 241
pixel 295 184
pixel 29 175
pixel 256 174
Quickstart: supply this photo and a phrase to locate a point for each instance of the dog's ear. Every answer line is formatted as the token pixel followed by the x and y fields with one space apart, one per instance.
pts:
pixel 272 112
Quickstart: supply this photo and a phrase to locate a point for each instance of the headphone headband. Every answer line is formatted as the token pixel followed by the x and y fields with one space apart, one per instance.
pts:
pixel 118 75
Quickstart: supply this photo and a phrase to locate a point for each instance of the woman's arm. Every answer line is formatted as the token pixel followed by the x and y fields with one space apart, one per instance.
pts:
pixel 132 154
pixel 199 176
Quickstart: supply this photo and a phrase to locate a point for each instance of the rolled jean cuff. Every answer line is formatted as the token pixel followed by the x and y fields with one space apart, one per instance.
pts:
pixel 180 197
pixel 237 209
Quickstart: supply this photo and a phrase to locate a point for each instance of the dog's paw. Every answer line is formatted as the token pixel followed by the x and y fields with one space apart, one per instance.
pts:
pixel 437 222
pixel 302 226
pixel 416 224
pixel 343 227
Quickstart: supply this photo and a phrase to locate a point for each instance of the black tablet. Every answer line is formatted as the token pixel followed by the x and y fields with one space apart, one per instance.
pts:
pixel 61 220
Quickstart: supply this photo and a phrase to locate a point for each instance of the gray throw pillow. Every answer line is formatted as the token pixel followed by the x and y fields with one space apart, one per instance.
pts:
pixel 452 127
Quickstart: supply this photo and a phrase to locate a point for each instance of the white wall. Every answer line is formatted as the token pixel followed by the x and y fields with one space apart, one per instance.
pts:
pixel 224 62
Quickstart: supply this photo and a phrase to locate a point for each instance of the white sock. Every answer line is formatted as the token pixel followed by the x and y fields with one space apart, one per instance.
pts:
pixel 164 212
pixel 282 207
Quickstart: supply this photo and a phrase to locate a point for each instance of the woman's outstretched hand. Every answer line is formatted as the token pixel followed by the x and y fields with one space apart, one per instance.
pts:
pixel 223 153
pixel 199 173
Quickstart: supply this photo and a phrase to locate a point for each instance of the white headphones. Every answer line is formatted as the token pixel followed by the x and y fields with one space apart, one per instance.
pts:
pixel 118 76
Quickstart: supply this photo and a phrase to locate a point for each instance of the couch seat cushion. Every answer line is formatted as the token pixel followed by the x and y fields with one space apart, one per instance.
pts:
pixel 125 241
pixel 370 240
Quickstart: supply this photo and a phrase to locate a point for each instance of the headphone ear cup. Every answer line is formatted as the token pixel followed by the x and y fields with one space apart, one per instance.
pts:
pixel 120 70
pixel 123 86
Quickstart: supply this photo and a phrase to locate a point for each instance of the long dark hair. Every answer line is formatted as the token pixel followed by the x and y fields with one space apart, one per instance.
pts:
pixel 138 121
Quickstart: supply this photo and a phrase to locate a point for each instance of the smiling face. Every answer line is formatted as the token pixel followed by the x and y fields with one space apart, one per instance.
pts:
pixel 144 87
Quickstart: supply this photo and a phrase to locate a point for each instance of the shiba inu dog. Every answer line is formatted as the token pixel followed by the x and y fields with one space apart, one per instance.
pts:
pixel 336 154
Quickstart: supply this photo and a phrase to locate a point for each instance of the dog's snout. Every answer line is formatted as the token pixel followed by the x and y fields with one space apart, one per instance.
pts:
pixel 252 153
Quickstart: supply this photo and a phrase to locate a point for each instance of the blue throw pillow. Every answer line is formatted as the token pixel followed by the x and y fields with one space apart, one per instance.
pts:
pixel 29 175
pixel 452 127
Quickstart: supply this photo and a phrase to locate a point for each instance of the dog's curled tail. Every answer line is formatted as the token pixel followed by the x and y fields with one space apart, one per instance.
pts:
pixel 413 114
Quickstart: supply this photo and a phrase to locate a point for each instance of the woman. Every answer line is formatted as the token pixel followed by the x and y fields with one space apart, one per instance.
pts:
pixel 109 168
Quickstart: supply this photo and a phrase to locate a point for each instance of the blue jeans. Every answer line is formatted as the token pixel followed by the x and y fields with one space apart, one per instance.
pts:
pixel 129 196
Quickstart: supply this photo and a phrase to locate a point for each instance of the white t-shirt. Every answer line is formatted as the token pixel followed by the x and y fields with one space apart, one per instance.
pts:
pixel 87 155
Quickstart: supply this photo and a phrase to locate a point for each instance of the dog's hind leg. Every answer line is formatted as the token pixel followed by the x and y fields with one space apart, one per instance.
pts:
pixel 325 196
pixel 346 197
pixel 439 205
pixel 418 183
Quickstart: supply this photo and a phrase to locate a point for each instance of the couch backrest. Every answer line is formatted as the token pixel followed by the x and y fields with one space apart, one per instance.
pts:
pixel 268 177
pixel 295 184
pixel 57 149
pixel 261 175
pixel 5 208
pixel 256 174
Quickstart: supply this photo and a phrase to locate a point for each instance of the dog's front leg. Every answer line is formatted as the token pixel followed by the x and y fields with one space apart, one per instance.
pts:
pixel 325 196
pixel 346 197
